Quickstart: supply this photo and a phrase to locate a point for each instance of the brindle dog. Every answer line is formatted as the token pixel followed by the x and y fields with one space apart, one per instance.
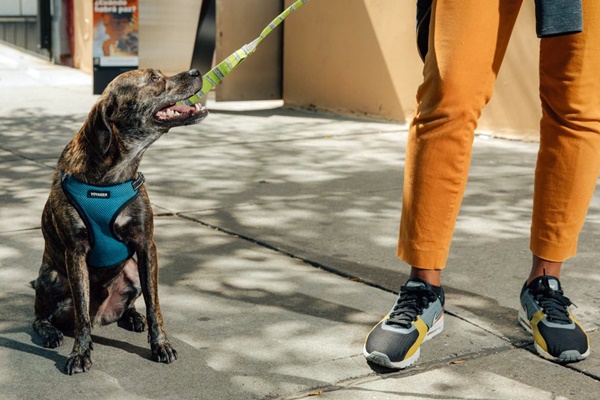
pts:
pixel 134 110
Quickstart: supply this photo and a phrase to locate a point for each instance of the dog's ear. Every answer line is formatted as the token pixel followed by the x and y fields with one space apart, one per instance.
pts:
pixel 98 128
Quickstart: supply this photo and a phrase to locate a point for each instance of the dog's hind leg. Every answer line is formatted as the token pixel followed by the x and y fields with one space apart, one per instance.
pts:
pixel 51 336
pixel 132 320
pixel 118 302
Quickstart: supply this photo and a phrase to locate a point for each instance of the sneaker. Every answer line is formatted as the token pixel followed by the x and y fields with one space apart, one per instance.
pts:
pixel 545 314
pixel 417 316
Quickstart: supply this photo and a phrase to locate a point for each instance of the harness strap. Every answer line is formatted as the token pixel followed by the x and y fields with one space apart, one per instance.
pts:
pixel 135 184
pixel 99 207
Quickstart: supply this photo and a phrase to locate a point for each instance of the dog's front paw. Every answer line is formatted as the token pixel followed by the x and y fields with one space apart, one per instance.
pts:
pixel 163 352
pixel 79 362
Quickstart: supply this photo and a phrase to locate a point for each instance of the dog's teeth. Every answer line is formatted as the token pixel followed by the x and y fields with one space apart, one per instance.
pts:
pixel 168 113
pixel 173 113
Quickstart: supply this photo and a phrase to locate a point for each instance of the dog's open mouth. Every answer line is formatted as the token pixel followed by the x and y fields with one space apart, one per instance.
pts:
pixel 177 112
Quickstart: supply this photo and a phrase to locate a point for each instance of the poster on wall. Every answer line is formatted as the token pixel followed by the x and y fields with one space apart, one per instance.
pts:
pixel 115 46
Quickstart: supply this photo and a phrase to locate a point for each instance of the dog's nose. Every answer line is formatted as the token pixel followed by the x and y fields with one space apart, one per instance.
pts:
pixel 194 72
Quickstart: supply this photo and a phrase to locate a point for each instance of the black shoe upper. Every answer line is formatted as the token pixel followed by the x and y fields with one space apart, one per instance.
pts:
pixel 561 334
pixel 552 299
pixel 412 301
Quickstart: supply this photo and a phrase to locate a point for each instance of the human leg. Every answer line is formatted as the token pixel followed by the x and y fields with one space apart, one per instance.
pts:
pixel 569 156
pixel 468 39
pixel 433 276
pixel 541 267
pixel 566 174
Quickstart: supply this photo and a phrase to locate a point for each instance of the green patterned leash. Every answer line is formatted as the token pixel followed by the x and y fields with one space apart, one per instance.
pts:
pixel 213 77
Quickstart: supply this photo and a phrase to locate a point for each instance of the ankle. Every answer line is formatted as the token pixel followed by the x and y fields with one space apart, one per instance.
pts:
pixel 431 276
pixel 541 267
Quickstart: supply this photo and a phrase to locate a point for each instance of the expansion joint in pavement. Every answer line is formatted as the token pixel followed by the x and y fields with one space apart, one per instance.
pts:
pixel 329 269
pixel 588 374
pixel 524 345
pixel 382 372
pixel 24 157
pixel 269 246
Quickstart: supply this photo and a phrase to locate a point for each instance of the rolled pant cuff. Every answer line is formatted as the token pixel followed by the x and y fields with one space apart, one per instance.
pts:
pixel 551 251
pixel 423 259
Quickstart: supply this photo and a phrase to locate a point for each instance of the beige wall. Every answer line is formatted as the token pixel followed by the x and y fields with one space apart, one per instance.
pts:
pixel 167 34
pixel 83 31
pixel 352 57
pixel 168 31
pixel 259 76
pixel 358 57
pixel 515 109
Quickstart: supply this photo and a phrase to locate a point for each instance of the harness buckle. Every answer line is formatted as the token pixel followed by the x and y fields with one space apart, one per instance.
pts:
pixel 138 182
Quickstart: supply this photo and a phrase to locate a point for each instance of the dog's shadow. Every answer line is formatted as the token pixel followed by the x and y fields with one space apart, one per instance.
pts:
pixel 143 352
pixel 37 348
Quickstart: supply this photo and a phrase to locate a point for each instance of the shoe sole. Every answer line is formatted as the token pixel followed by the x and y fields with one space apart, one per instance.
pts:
pixel 383 360
pixel 568 356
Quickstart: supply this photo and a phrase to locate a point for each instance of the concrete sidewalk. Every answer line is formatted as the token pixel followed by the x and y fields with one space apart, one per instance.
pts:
pixel 276 233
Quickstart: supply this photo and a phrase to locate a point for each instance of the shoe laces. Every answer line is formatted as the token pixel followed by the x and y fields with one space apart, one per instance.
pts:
pixel 410 304
pixel 554 303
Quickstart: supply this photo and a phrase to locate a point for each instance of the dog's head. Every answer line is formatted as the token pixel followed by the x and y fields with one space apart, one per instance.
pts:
pixel 138 106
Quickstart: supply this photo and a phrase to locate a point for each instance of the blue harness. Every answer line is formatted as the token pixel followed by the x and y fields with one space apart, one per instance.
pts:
pixel 99 207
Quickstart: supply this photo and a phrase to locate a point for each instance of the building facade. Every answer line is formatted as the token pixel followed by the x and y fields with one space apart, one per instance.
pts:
pixel 349 57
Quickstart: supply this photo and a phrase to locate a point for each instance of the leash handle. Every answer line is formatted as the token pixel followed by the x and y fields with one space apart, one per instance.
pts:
pixel 213 77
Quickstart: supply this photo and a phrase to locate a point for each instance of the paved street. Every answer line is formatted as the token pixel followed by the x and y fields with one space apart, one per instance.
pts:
pixel 276 231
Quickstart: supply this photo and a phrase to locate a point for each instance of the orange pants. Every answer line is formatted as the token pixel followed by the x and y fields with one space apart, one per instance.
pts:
pixel 467 42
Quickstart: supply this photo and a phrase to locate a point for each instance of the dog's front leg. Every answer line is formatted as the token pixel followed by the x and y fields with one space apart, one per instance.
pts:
pixel 80 359
pixel 148 267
